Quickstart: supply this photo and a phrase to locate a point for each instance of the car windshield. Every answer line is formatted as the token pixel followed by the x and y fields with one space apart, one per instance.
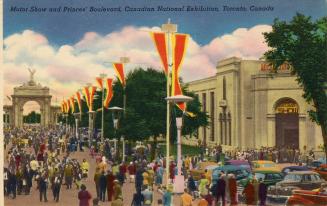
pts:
pixel 259 176
pixel 292 177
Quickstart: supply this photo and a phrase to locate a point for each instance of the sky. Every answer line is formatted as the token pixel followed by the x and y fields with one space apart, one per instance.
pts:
pixel 69 49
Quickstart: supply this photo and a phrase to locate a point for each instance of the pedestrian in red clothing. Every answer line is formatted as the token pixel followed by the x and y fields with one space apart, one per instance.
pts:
pixel 232 189
pixel 110 185
pixel 172 171
pixel 131 171
pixel 84 196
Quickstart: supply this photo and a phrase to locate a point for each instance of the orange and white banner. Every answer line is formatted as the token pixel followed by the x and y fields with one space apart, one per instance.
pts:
pixel 72 103
pixel 99 81
pixel 89 96
pixel 159 40
pixel 109 93
pixel 119 68
pixel 62 107
pixel 79 101
pixel 179 49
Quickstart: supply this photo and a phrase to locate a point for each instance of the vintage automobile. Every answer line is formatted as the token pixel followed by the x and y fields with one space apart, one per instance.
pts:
pixel 240 171
pixel 269 177
pixel 286 170
pixel 322 170
pixel 264 165
pixel 200 169
pixel 300 180
pixel 307 197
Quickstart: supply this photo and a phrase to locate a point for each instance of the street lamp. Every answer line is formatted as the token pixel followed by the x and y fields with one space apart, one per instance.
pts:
pixel 179 179
pixel 91 119
pixel 102 76
pixel 115 117
pixel 169 29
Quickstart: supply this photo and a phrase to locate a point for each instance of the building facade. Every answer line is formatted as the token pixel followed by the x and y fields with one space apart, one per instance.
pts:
pixel 249 107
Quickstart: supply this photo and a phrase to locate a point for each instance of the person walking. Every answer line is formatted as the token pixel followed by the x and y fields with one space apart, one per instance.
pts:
pixel 96 179
pixel 167 196
pixel 84 196
pixel 117 190
pixel 43 188
pixel 221 188
pixel 56 187
pixel 148 196
pixel 232 189
pixel 186 199
pixel 138 199
pixel 110 185
pixel 103 186
pixel 249 193
pixel 262 192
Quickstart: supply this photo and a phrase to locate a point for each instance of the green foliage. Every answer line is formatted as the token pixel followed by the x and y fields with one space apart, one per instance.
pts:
pixel 303 44
pixel 32 118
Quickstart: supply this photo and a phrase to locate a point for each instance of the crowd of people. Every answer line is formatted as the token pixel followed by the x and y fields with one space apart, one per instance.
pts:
pixel 42 157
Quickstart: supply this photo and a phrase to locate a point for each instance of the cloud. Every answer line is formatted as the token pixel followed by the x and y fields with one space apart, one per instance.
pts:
pixel 67 68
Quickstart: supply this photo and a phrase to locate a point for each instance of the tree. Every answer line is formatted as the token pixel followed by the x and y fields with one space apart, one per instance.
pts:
pixel 302 44
pixel 146 107
pixel 32 118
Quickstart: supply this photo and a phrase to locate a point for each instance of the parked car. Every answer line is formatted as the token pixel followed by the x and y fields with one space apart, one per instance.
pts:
pixel 322 170
pixel 240 172
pixel 200 169
pixel 307 197
pixel 286 170
pixel 269 177
pixel 300 180
pixel 261 165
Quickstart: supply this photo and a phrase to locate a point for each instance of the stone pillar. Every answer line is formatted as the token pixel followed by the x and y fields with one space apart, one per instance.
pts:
pixel 271 130
pixel 303 139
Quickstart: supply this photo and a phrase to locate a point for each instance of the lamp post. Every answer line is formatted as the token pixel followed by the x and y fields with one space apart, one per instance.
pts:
pixel 91 119
pixel 179 179
pixel 169 29
pixel 115 117
pixel 102 76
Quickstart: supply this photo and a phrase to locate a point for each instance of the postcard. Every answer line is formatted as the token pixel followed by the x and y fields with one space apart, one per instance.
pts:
pixel 182 102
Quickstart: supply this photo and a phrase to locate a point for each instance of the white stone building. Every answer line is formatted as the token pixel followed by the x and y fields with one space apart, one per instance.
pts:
pixel 249 107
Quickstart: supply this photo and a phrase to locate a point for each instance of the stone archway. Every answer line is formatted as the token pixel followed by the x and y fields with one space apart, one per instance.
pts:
pixel 287 123
pixel 32 91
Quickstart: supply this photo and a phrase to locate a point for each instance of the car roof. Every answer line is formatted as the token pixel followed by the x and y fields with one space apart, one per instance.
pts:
pixel 302 172
pixel 266 171
pixel 263 161
pixel 302 168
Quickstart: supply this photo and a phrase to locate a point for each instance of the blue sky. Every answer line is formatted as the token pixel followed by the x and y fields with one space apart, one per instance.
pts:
pixel 67 28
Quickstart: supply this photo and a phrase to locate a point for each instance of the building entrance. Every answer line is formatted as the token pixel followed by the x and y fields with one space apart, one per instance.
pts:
pixel 287 124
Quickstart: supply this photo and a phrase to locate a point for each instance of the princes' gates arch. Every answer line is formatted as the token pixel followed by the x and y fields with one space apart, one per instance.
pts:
pixel 30 91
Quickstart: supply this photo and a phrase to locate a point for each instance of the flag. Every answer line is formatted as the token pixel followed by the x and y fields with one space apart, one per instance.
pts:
pixel 179 48
pixel 78 98
pixel 159 40
pixel 92 92
pixel 87 96
pixel 119 68
pixel 191 114
pixel 99 81
pixel 67 106
pixel 62 106
pixel 72 103
pixel 109 93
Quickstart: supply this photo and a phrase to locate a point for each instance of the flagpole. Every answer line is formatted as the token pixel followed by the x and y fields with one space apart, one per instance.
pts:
pixel 124 60
pixel 168 29
pixel 102 76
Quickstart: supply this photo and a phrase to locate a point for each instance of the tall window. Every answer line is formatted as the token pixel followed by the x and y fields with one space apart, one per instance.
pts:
pixel 204 106
pixel 212 115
